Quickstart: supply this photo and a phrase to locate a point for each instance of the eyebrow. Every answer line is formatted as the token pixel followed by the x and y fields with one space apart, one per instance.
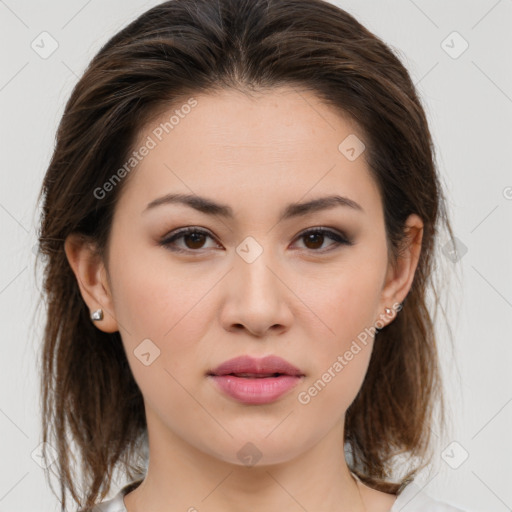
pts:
pixel 210 207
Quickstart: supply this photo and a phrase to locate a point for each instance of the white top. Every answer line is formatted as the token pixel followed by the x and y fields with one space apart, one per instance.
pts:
pixel 411 499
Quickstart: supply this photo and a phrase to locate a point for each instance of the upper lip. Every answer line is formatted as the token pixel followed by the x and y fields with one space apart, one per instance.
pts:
pixel 246 364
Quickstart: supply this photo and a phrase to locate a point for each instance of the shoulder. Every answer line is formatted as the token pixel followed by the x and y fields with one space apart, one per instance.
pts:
pixel 115 504
pixel 414 499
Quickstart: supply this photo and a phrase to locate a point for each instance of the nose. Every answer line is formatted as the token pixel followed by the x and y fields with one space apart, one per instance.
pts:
pixel 257 297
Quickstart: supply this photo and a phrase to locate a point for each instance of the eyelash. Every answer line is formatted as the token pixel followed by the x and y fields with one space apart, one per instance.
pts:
pixel 338 238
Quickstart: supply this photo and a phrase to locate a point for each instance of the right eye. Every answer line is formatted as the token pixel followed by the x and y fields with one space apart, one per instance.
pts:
pixel 194 238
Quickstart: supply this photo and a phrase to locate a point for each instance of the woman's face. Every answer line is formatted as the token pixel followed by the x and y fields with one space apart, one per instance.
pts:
pixel 249 281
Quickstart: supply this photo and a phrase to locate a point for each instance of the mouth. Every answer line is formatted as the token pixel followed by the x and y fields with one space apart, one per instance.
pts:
pixel 255 381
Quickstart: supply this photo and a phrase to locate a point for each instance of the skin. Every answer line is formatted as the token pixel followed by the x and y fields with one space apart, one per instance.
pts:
pixel 305 301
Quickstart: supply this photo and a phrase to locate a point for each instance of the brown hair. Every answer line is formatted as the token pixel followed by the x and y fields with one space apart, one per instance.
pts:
pixel 184 47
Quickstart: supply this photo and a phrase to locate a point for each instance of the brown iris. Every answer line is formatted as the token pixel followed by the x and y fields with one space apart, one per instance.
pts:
pixel 314 237
pixel 197 240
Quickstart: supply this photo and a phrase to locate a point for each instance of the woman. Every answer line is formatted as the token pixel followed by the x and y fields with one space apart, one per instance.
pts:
pixel 239 225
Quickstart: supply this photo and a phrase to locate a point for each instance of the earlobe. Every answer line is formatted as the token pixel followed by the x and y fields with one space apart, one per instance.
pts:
pixel 90 273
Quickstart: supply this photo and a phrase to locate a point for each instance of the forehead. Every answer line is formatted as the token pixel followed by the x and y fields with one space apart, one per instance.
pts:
pixel 279 145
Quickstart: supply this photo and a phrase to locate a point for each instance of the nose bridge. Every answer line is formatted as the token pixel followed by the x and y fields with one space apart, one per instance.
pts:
pixel 252 264
pixel 256 296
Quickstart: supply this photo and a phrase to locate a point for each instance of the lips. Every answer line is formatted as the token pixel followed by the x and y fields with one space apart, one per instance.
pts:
pixel 249 367
pixel 253 381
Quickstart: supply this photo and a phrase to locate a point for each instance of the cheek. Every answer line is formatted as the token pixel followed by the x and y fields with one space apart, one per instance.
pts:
pixel 173 309
pixel 347 307
pixel 161 317
pixel 347 304
pixel 153 295
pixel 341 357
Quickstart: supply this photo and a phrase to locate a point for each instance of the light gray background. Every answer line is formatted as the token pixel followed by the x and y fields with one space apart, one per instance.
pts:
pixel 469 104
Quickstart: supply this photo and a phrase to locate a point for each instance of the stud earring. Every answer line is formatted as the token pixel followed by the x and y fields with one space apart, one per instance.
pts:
pixel 97 315
pixel 388 312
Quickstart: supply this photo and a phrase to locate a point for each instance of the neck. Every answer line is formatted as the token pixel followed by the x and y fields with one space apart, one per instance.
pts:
pixel 182 477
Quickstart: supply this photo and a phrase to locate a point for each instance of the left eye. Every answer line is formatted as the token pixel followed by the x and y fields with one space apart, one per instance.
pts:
pixel 317 237
pixel 194 239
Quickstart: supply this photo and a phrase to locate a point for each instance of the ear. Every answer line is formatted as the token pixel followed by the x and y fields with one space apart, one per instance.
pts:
pixel 400 275
pixel 91 275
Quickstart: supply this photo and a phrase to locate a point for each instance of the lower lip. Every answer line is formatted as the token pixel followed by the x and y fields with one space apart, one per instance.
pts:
pixel 255 391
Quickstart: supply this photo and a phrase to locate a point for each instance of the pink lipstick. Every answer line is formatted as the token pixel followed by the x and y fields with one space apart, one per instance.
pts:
pixel 256 381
